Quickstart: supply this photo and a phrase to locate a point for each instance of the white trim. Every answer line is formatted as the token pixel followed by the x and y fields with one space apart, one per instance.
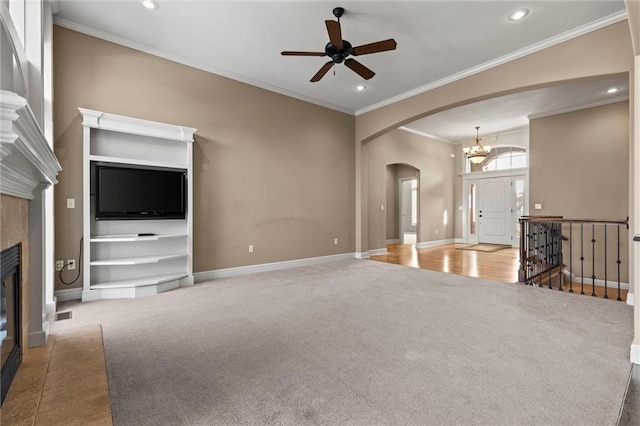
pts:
pixel 192 63
pixel 37 338
pixel 51 307
pixel 68 294
pixel 578 108
pixel 393 241
pixel 28 162
pixel 490 174
pixel 630 299
pixel 17 49
pixel 434 243
pixel 426 135
pixel 266 267
pixel 135 126
pixel 363 255
pixel 635 353
pixel 598 282
pixel 536 47
pixel 459 240
pixel 375 252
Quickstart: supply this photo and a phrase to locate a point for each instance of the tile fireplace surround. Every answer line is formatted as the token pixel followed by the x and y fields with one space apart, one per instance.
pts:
pixel 27 167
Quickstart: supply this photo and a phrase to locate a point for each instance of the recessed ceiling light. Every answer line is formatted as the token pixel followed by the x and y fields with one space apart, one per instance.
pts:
pixel 613 90
pixel 518 14
pixel 150 4
pixel 360 88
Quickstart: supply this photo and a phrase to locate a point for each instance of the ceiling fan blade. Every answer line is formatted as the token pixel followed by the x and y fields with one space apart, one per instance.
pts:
pixel 378 46
pixel 294 53
pixel 325 68
pixel 335 33
pixel 359 69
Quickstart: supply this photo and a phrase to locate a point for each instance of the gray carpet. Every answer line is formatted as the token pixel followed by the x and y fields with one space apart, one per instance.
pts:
pixel 362 342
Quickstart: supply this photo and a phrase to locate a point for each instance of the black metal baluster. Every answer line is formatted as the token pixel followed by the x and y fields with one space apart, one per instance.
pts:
pixel 606 296
pixel 559 254
pixel 549 251
pixel 523 252
pixel 570 258
pixel 618 262
pixel 582 258
pixel 593 260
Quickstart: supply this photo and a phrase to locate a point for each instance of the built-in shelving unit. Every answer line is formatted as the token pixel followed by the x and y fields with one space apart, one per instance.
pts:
pixel 117 261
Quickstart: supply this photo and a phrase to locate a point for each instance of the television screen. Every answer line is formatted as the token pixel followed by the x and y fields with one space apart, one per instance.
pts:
pixel 136 193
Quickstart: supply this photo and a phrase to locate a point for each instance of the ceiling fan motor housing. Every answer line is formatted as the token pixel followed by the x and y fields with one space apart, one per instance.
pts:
pixel 338 54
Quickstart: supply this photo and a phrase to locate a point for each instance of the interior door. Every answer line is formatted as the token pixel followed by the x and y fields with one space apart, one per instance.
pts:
pixel 494 211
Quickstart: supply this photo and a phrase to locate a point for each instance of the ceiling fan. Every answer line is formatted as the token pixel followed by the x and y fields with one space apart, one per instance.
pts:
pixel 339 50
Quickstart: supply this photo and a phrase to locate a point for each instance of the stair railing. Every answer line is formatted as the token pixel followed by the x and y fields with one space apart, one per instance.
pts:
pixel 593 248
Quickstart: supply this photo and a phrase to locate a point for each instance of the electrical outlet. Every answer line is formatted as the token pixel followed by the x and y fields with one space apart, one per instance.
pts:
pixel 59 265
pixel 250 248
pixel 335 241
pixel 71 203
pixel 71 264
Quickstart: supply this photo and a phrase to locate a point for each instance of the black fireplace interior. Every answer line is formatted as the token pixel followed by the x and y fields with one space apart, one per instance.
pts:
pixel 9 316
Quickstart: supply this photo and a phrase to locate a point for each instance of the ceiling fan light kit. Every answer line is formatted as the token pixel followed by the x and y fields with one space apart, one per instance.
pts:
pixel 477 153
pixel 339 50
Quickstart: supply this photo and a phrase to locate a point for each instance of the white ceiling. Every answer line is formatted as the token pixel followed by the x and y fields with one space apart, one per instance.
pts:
pixel 438 41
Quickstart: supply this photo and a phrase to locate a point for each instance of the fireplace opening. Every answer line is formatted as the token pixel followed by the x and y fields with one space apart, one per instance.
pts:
pixel 9 316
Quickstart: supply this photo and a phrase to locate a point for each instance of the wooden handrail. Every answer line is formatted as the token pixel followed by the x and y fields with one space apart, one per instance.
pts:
pixel 561 219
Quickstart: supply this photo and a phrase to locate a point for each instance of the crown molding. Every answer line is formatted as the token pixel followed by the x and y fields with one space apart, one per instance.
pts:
pixel 191 63
pixel 544 44
pixel 578 108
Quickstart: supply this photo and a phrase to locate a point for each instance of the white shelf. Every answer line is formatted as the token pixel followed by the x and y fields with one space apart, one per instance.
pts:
pixel 131 237
pixel 137 282
pixel 122 160
pixel 114 253
pixel 137 260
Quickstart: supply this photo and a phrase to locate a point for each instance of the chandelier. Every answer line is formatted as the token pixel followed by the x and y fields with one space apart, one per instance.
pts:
pixel 477 153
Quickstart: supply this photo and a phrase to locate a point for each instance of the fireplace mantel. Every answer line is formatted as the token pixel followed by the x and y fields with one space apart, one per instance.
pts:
pixel 28 165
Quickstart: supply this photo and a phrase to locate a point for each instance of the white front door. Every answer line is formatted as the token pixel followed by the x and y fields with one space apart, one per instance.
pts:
pixel 495 211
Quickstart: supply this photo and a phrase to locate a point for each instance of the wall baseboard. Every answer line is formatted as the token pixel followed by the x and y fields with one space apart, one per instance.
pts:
pixel 394 241
pixel 266 267
pixel 363 255
pixel 68 294
pixel 598 282
pixel 459 240
pixel 378 251
pixel 51 307
pixel 434 243
pixel 635 353
pixel 631 300
pixel 38 338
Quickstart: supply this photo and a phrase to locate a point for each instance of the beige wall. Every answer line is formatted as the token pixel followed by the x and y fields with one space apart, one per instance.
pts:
pixel 579 169
pixel 269 170
pixel 579 165
pixel 436 169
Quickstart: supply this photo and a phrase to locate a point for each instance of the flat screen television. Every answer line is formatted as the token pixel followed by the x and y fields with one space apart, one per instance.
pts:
pixel 124 193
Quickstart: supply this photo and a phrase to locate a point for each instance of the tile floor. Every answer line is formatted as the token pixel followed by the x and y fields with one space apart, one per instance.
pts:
pixel 62 383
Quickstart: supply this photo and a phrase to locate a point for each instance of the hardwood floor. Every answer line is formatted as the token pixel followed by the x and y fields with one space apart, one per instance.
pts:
pixel 500 265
